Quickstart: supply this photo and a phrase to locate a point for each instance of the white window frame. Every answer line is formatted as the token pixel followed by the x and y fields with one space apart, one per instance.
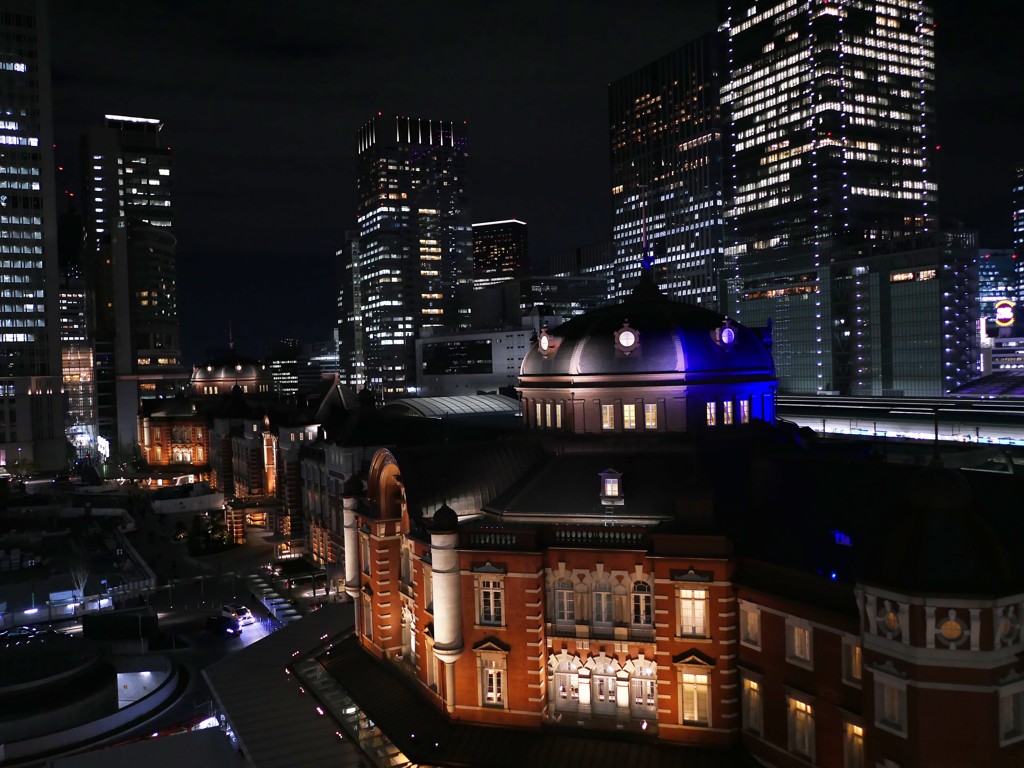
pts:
pixel 693 611
pixel 650 415
pixel 695 690
pixel 607 417
pixel 641 598
pixel 558 415
pixel 565 602
pixel 492 682
pixel 750 625
pixel 603 702
pixel 727 417
pixel 643 694
pixel 744 409
pixel 629 416
pixel 603 616
pixel 490 611
pixel 547 415
pixel 711 411
pixel 799 642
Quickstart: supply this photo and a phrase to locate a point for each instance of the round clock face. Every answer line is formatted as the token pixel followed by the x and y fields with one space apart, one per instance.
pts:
pixel 627 338
pixel 728 335
pixel 544 343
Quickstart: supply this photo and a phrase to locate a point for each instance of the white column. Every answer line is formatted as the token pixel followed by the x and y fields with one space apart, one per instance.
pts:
pixel 351 547
pixel 447 606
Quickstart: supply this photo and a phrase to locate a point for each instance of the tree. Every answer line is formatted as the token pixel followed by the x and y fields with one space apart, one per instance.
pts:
pixel 79 573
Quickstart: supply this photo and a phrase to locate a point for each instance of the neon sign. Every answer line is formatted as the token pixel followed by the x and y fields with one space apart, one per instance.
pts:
pixel 1004 313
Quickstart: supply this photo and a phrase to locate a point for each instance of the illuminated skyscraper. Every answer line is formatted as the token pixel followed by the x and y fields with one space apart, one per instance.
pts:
pixel 129 218
pixel 830 108
pixel 31 418
pixel 415 244
pixel 666 155
pixel 500 252
pixel 1018 208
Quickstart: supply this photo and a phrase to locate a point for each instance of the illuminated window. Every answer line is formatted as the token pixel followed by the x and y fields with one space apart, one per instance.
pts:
pixel 650 416
pixel 798 642
pixel 364 553
pixel 711 411
pixel 853 746
pixel 751 710
pixel 744 406
pixel 607 417
pixel 727 412
pixel 695 699
pixel 493 682
pixel 750 625
pixel 629 416
pixel 801 727
pixel 492 596
pixel 565 602
pixel 643 693
pixel 610 486
pixel 852 661
pixel 693 612
pixel 558 416
pixel 952 631
pixel 642 598
pixel 538 422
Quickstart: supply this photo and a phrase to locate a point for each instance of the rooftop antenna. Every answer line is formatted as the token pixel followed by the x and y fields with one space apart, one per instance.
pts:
pixel 231 340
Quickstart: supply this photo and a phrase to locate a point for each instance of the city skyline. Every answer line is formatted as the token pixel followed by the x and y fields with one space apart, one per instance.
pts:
pixel 277 114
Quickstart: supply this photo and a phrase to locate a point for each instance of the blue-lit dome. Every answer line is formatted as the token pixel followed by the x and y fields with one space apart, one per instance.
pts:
pixel 650 334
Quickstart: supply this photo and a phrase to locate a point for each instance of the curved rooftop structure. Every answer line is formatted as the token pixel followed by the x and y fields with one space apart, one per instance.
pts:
pixel 647 364
pixel 222 374
pixel 453 405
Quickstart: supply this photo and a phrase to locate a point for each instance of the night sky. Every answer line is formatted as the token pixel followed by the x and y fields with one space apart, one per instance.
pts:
pixel 261 102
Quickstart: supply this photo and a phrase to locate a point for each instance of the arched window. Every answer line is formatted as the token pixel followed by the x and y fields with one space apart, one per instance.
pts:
pixel 603 690
pixel 643 693
pixel 567 687
pixel 643 615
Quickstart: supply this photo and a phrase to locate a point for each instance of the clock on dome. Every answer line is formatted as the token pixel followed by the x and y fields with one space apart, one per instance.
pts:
pixel 627 340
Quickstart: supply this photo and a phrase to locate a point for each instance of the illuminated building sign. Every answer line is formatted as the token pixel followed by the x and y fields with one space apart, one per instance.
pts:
pixel 1004 313
pixel 901 277
pixel 906 277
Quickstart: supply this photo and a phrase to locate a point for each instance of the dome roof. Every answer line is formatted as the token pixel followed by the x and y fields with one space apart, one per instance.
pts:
pixel 445 519
pixel 649 334
pixel 229 367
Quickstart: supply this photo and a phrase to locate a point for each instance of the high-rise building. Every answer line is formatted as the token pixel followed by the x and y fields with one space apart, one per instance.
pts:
pixel 666 156
pixel 349 332
pixel 415 242
pixel 500 252
pixel 1018 208
pixel 130 219
pixel 830 108
pixel 31 406
pixel 999 280
pixel 76 336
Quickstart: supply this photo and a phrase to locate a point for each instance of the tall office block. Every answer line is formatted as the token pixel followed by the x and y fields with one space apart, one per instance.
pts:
pixel 1018 208
pixel 666 157
pixel 415 243
pixel 31 418
pixel 349 333
pixel 500 252
pixel 830 123
pixel 129 218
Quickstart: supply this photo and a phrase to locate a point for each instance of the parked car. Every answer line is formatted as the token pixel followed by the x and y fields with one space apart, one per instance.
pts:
pixel 239 612
pixel 223 625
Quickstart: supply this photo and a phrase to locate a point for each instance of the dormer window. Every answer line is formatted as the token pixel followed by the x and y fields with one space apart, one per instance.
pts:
pixel 611 487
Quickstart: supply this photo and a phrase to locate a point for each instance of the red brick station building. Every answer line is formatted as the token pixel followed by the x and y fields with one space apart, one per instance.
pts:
pixel 653 564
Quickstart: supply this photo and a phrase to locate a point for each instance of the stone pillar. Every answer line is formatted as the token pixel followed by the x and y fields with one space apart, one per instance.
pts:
pixel 444 552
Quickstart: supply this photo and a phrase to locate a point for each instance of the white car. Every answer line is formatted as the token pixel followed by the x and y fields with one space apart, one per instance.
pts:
pixel 239 612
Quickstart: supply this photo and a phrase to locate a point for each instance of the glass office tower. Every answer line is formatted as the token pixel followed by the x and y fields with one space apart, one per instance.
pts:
pixel 31 404
pixel 415 256
pixel 830 119
pixel 666 159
